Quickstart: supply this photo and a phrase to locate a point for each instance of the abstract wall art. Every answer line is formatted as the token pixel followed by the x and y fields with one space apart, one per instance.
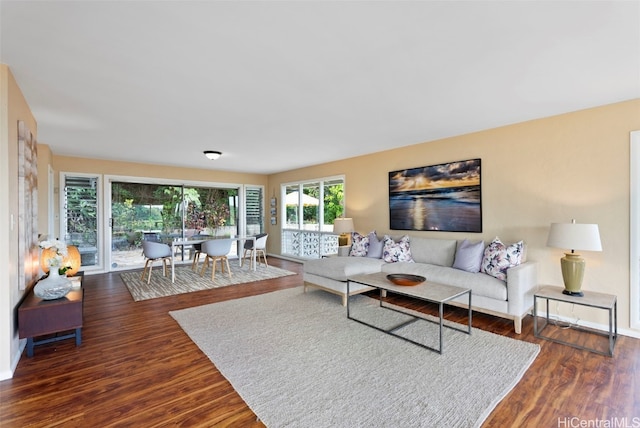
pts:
pixel 28 249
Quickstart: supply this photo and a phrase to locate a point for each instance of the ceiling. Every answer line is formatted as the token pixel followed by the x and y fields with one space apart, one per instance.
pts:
pixel 278 85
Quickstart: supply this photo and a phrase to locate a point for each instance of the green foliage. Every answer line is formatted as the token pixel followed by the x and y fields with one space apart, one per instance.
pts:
pixel 82 214
pixel 333 203
pixel 211 211
pixel 138 207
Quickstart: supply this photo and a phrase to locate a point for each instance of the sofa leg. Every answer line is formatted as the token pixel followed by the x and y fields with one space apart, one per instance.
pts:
pixel 344 300
pixel 517 325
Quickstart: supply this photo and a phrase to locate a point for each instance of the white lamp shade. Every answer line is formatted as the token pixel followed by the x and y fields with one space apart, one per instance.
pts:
pixel 343 225
pixel 574 236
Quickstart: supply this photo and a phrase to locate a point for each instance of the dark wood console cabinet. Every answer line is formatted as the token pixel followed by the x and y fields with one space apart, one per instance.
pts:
pixel 38 318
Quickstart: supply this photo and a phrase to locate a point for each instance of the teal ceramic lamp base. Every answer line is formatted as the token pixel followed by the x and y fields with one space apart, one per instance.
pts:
pixel 572 272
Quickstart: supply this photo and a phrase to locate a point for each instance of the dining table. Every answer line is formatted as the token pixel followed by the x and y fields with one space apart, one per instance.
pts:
pixel 182 242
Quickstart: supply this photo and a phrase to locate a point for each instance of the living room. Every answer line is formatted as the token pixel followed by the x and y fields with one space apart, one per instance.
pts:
pixel 569 165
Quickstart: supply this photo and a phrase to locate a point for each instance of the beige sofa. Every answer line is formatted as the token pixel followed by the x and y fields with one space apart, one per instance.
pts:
pixel 434 259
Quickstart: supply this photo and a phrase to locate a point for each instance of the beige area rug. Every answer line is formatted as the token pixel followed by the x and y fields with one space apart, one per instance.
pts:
pixel 188 280
pixel 297 361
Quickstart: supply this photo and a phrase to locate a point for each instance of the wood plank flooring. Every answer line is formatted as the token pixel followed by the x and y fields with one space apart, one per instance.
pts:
pixel 136 367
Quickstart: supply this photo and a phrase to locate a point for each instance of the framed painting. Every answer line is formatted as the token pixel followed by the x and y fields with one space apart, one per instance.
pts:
pixel 445 197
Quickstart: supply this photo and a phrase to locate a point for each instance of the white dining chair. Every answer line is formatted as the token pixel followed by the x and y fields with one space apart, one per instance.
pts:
pixel 197 252
pixel 155 251
pixel 259 248
pixel 216 249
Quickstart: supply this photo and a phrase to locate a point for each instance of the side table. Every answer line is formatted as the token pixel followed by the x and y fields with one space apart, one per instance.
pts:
pixel 38 317
pixel 592 299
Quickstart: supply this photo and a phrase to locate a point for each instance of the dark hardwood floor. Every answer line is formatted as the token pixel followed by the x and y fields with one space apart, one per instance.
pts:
pixel 136 367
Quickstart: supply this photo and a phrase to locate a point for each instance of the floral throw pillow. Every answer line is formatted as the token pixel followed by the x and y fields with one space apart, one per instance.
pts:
pixel 394 252
pixel 359 245
pixel 499 257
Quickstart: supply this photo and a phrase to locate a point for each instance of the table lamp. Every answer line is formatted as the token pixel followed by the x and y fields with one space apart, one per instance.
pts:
pixel 343 227
pixel 71 261
pixel 574 236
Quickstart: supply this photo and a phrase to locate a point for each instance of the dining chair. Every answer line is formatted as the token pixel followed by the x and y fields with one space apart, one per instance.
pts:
pixel 259 248
pixel 216 249
pixel 197 251
pixel 155 251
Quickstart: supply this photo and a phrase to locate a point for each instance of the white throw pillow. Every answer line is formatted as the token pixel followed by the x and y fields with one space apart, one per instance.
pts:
pixel 376 246
pixel 469 256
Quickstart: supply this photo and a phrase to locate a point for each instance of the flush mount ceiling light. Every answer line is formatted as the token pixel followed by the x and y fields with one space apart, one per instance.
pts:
pixel 212 154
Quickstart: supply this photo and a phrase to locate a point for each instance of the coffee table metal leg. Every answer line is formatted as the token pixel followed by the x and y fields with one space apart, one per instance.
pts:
pixel 441 313
pixel 348 295
pixel 470 312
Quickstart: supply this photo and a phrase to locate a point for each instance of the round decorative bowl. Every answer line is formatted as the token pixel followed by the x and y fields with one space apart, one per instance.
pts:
pixel 405 279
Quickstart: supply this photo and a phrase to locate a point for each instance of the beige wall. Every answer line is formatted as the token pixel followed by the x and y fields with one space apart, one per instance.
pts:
pixel 534 173
pixel 136 169
pixel 13 107
pixel 132 169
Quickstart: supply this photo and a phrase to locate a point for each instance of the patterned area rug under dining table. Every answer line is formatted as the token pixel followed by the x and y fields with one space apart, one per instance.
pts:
pixel 188 280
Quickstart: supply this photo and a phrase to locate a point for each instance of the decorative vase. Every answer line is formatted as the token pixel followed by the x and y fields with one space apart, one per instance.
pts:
pixel 52 287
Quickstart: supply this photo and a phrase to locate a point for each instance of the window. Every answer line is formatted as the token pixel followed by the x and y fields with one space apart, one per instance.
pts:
pixel 309 209
pixel 254 210
pixel 80 217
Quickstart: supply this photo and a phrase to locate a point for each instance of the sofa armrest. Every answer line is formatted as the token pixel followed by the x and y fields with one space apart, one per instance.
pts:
pixel 522 282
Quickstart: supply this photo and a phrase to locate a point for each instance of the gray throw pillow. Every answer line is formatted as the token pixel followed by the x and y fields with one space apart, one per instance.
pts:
pixel 469 256
pixel 375 246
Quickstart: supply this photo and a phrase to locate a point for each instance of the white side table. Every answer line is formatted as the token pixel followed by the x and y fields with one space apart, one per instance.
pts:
pixel 592 299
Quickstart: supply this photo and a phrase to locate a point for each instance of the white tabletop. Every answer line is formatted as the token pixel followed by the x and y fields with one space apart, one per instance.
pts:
pixel 590 298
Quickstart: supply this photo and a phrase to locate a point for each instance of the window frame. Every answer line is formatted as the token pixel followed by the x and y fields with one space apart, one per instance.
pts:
pixel 311 242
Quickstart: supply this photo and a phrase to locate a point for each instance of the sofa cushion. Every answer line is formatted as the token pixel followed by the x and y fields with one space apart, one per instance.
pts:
pixel 395 252
pixel 433 251
pixel 480 284
pixel 469 256
pixel 499 257
pixel 376 246
pixel 340 268
pixel 359 245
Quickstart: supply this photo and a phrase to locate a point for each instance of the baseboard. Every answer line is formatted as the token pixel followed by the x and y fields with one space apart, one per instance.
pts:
pixel 596 326
pixel 288 258
pixel 8 374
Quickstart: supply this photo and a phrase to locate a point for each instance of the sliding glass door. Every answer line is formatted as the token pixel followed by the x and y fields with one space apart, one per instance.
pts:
pixel 148 211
